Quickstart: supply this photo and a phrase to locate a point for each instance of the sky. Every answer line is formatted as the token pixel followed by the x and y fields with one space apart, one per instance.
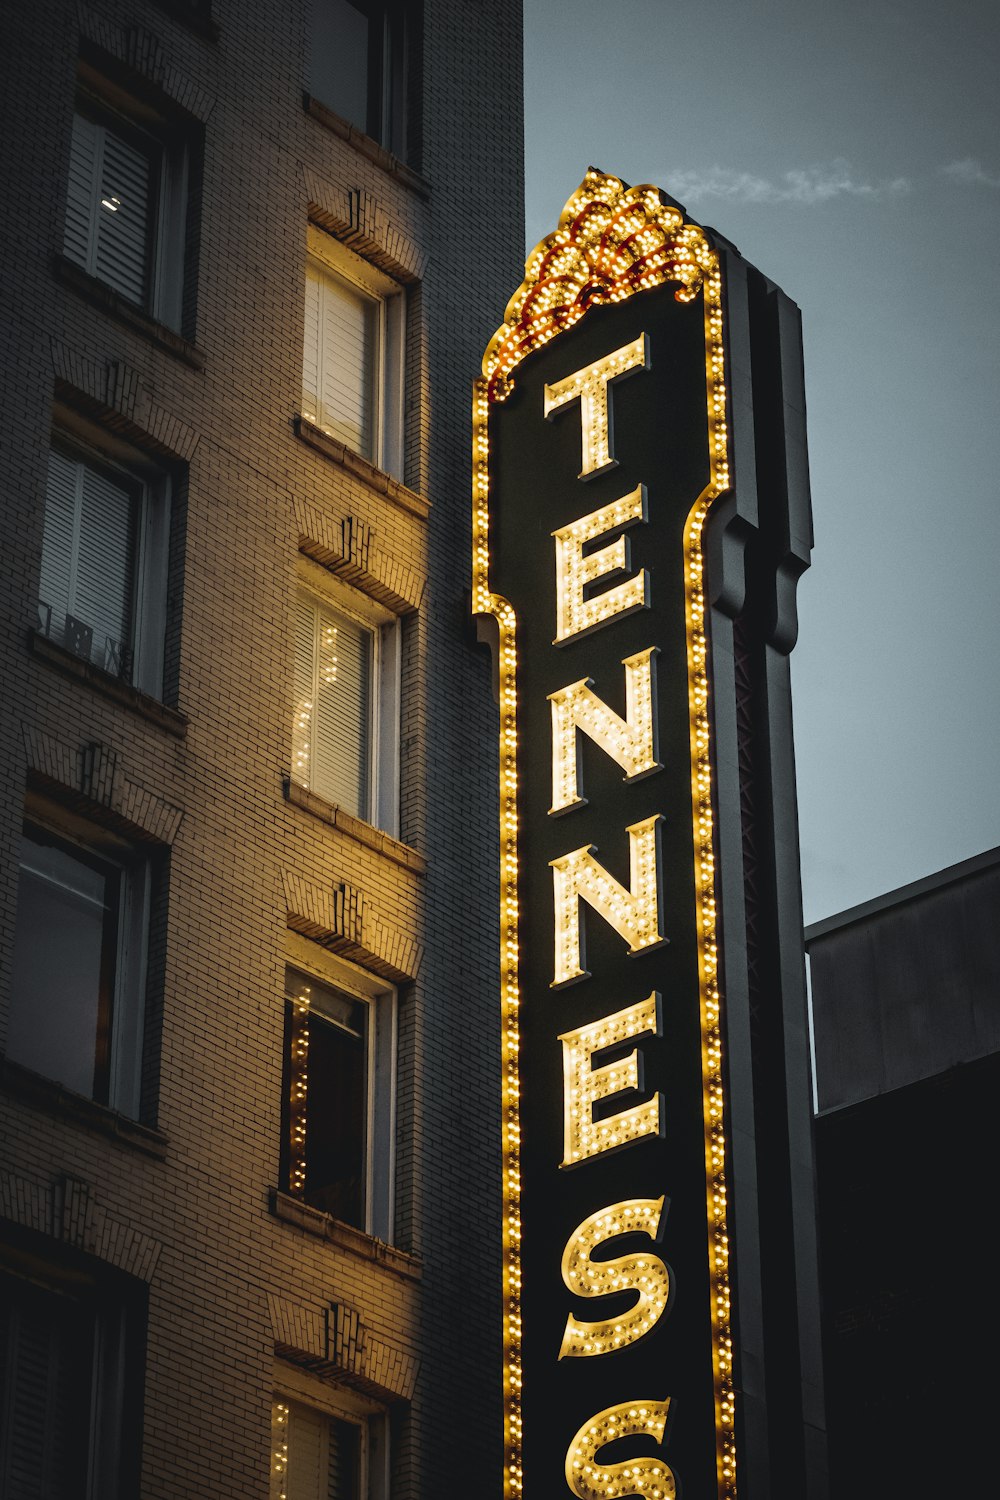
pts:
pixel 851 150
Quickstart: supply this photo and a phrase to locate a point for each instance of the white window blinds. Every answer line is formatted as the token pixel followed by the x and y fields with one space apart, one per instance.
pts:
pixel 323 1457
pixel 341 364
pixel 333 713
pixel 109 209
pixel 87 584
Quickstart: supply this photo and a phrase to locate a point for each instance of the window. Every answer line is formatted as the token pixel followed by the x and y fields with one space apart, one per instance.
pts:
pixel 352 373
pixel 358 66
pixel 102 590
pixel 338 1095
pixel 126 208
pixel 79 965
pixel 345 730
pixel 71 1412
pixel 326 1455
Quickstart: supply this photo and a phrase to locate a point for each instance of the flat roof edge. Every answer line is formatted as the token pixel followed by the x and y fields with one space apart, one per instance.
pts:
pixel 937 881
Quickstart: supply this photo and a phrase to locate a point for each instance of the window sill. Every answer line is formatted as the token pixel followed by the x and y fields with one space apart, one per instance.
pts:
pixel 376 1252
pixel 55 1099
pixel 170 719
pixel 102 296
pixel 374 477
pixel 355 828
pixel 365 145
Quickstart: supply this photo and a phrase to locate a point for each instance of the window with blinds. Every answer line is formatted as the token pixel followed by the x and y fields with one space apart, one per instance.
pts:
pixel 47 1347
pixel 321 1457
pixel 127 200
pixel 87 583
pixel 110 208
pixel 101 590
pixel 333 743
pixel 71 1385
pixel 341 361
pixel 352 356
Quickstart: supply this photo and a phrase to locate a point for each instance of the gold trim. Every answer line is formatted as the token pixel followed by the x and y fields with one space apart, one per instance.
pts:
pixel 611 243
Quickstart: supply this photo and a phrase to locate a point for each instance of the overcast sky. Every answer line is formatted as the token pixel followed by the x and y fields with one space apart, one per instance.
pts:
pixel 851 150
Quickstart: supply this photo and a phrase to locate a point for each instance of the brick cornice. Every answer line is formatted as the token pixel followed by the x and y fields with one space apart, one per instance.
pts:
pixel 93 778
pixel 339 917
pixel 334 1342
pixel 67 1210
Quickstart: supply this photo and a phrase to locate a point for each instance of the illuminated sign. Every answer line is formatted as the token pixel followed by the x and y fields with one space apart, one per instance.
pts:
pixel 600 444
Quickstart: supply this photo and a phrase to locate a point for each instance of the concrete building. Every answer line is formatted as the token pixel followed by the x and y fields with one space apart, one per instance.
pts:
pixel 906 1007
pixel 252 254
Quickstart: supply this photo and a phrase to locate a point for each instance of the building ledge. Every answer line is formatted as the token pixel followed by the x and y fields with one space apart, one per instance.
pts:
pixel 65 661
pixel 355 828
pixel 365 1246
pixel 55 1099
pixel 365 145
pixel 374 477
pixel 108 300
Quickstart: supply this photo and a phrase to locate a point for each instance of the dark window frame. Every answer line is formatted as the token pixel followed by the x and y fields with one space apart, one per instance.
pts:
pixel 389 75
pixel 142 659
pixel 123 998
pixel 105 1313
pixel 371 1210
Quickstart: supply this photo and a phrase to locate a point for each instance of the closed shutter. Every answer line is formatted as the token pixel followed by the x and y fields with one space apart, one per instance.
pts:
pixel 348 364
pixel 109 209
pixel 342 722
pixel 306 1478
pixel 55 587
pixel 105 570
pixel 46 1357
pixel 123 219
pixel 81 199
pixel 323 1457
pixel 332 730
pixel 89 557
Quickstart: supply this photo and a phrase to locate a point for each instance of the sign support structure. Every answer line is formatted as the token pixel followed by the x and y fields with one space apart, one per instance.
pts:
pixel 640 518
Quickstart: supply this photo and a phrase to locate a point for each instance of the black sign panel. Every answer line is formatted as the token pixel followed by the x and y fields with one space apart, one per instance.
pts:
pixel 600 456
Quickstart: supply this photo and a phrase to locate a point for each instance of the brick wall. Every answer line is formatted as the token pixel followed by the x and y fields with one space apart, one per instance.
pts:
pixel 238 1276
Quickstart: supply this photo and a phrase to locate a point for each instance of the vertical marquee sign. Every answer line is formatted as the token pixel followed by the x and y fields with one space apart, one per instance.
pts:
pixel 600 445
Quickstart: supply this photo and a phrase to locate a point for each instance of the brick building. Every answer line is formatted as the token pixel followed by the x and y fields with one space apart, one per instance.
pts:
pixel 249 1193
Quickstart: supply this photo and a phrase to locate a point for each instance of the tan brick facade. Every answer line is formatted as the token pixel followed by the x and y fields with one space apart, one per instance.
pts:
pixel 249 1290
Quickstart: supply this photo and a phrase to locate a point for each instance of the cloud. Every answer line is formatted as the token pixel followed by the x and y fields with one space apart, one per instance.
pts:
pixel 802 185
pixel 970 173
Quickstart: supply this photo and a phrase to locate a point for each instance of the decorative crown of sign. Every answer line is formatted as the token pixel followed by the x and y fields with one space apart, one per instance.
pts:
pixel 612 241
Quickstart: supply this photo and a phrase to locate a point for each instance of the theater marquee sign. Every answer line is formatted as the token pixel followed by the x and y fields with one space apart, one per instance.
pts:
pixel 600 446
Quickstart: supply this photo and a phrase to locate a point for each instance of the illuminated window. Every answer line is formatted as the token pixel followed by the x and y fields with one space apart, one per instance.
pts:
pixel 327 1455
pixel 71 1353
pixel 102 587
pixel 358 61
pixel 78 972
pixel 345 726
pixel 352 374
pixel 338 1094
pixel 126 207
